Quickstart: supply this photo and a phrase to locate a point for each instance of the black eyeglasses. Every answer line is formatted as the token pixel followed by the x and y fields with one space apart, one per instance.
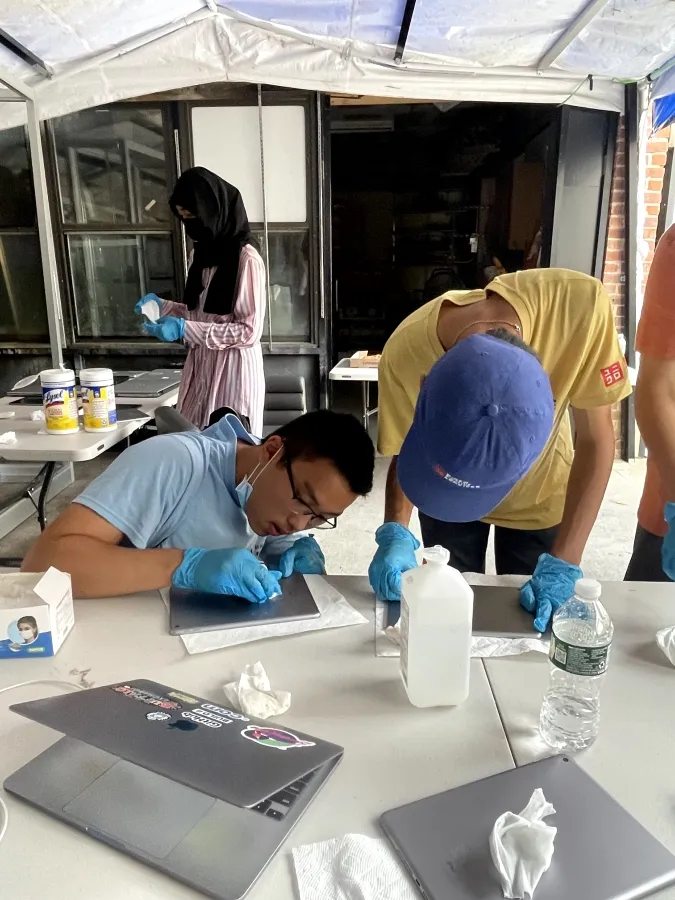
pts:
pixel 315 520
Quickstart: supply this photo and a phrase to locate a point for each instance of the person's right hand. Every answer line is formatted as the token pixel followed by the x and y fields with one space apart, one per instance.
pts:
pixel 237 573
pixel 668 549
pixel 395 554
pixel 158 301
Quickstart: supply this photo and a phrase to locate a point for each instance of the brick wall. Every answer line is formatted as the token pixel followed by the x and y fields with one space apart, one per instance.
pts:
pixel 657 155
pixel 614 272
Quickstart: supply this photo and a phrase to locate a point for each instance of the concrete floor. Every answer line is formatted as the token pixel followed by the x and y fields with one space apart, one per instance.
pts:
pixel 350 547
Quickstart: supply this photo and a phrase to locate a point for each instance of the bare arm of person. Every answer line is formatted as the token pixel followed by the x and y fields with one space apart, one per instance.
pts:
pixel 397 507
pixel 589 475
pixel 86 546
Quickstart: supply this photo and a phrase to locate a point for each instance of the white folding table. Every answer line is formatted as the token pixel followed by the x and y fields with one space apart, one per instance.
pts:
pixel 364 374
pixel 34 445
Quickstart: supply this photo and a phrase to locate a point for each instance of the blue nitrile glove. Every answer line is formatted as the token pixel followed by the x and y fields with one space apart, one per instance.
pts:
pixel 395 555
pixel 304 556
pixel 551 584
pixel 158 301
pixel 668 549
pixel 234 572
pixel 168 328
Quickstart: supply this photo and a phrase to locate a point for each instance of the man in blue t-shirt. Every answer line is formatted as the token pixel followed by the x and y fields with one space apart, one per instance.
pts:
pixel 215 511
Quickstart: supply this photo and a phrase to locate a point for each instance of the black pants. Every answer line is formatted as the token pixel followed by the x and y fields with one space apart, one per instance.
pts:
pixel 645 563
pixel 516 551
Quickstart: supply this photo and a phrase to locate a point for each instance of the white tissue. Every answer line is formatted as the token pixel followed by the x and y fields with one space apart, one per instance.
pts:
pixel 150 310
pixel 7 413
pixel 522 847
pixel 9 437
pixel 481 647
pixel 37 415
pixel 252 694
pixel 666 641
pixel 353 867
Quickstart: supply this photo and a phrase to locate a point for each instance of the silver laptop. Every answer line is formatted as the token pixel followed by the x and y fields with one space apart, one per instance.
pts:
pixel 184 784
pixel 601 852
pixel 196 611
pixel 496 613
pixel 149 384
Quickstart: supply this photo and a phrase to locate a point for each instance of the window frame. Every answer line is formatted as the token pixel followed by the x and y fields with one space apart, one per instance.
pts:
pixel 272 96
pixel 62 231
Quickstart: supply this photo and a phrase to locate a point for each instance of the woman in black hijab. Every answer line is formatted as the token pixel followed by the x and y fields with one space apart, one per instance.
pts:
pixel 221 317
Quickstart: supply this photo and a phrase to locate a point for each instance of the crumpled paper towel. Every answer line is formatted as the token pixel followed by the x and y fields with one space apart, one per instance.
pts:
pixel 150 310
pixel 37 415
pixel 353 867
pixel 521 847
pixel 334 611
pixel 252 694
pixel 9 437
pixel 666 641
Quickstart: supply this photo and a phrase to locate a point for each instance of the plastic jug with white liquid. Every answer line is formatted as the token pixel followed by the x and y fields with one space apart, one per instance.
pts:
pixel 436 622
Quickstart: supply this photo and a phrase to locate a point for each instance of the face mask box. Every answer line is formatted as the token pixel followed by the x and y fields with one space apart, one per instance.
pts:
pixel 36 613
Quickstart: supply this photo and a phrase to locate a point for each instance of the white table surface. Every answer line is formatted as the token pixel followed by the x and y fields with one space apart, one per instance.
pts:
pixel 33 445
pixel 344 372
pixel 634 755
pixel 394 753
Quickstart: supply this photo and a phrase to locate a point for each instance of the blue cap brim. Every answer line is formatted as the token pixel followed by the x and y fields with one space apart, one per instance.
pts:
pixel 436 497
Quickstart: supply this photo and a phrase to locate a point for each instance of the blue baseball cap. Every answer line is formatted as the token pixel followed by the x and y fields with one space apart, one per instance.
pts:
pixel 483 416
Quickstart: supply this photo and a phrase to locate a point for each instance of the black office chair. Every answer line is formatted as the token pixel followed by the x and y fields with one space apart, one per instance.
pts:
pixel 285 400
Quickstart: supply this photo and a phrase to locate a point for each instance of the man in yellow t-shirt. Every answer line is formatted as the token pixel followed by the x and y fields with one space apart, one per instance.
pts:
pixel 542 522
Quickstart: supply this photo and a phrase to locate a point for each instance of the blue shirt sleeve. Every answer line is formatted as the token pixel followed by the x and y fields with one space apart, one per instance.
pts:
pixel 145 490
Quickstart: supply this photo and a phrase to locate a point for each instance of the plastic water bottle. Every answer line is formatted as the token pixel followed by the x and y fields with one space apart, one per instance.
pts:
pixel 580 644
pixel 436 620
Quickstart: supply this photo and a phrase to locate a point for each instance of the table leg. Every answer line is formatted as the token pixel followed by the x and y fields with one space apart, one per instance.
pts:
pixel 365 391
pixel 44 490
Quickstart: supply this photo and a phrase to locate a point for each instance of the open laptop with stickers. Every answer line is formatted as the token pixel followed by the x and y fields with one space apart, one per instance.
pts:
pixel 166 777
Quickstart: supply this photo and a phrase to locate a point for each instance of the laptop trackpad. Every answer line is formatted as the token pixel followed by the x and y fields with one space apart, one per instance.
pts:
pixel 140 808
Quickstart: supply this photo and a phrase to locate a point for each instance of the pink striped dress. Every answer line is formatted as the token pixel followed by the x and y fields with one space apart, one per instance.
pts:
pixel 224 365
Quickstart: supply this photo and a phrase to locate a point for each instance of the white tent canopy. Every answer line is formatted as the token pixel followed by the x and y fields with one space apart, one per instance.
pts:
pixel 64 55
pixel 81 53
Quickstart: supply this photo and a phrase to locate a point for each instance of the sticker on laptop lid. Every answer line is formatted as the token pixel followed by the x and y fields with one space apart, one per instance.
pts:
pixel 157 716
pixel 274 737
pixel 146 697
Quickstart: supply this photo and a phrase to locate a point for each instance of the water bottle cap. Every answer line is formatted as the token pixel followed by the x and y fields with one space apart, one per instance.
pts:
pixel 587 589
pixel 436 555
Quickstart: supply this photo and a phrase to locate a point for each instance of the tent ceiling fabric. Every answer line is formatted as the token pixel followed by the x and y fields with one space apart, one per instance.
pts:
pixel 456 50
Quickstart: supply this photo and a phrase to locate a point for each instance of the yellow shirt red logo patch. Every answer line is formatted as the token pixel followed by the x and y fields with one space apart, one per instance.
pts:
pixel 612 374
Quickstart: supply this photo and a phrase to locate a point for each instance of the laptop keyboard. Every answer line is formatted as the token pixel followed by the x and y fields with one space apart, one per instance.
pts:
pixel 276 806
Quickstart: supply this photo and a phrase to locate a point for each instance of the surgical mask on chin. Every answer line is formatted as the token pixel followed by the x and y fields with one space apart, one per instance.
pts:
pixel 245 487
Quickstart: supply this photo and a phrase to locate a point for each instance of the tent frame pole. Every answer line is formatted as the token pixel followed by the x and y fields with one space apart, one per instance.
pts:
pixel 46 234
pixel 23 53
pixel 559 46
pixel 405 29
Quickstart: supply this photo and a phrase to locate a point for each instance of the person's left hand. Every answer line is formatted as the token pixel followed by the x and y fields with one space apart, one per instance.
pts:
pixel 168 328
pixel 551 584
pixel 304 556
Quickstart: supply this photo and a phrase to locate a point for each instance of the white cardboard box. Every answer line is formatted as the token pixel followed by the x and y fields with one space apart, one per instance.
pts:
pixel 36 613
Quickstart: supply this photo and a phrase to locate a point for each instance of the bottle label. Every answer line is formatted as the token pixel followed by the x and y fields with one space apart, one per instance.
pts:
pixel 576 660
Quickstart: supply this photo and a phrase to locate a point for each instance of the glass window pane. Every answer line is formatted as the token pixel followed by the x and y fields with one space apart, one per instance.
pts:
pixel 17 203
pixel 23 313
pixel 238 162
pixel 110 273
pixel 111 166
pixel 289 286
